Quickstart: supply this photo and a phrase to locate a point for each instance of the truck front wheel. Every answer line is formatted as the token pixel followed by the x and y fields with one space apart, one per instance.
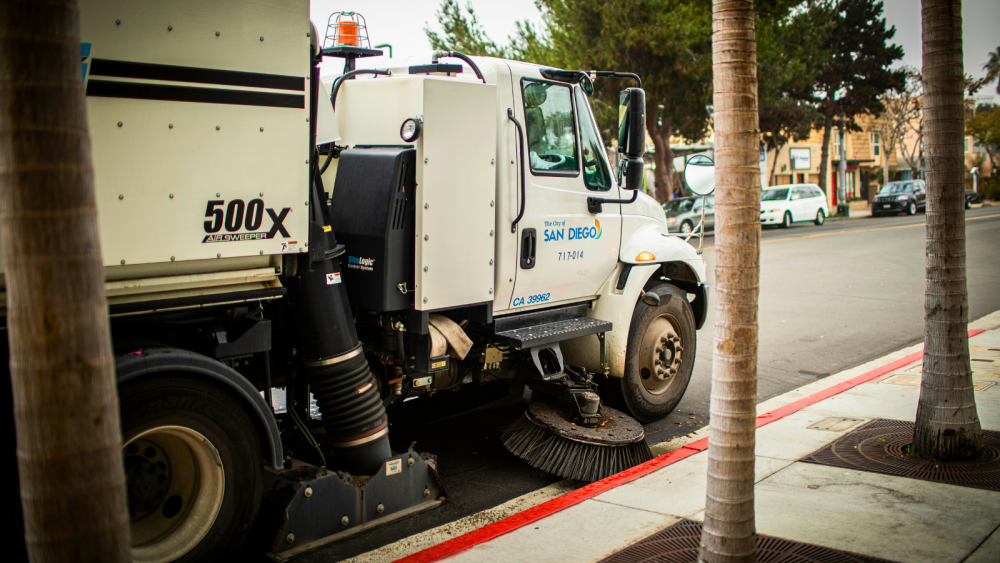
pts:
pixel 660 355
pixel 192 467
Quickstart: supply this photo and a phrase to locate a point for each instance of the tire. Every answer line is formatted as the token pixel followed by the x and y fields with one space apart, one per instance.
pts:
pixel 820 217
pixel 687 227
pixel 786 221
pixel 646 399
pixel 179 414
pixel 911 208
pixel 967 204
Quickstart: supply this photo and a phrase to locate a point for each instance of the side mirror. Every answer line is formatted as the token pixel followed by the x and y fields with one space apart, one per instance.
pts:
pixel 699 174
pixel 632 123
pixel 632 135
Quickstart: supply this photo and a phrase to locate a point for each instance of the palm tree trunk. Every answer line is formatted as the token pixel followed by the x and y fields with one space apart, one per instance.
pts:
pixel 61 367
pixel 947 422
pixel 729 532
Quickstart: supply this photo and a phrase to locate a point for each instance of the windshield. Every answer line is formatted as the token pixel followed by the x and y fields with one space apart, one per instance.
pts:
pixel 897 188
pixel 774 195
pixel 678 205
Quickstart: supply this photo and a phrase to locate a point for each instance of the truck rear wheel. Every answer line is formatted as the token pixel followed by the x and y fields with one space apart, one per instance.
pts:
pixel 193 469
pixel 660 355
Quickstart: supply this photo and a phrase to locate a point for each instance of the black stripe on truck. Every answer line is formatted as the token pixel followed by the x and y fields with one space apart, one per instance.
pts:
pixel 150 71
pixel 144 91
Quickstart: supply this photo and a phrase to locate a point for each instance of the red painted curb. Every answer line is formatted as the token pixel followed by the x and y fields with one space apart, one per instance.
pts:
pixel 535 513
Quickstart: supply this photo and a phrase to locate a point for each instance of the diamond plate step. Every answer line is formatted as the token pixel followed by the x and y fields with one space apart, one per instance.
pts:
pixel 557 331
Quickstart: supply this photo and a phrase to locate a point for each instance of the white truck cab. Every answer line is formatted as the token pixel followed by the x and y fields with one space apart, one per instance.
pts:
pixel 547 249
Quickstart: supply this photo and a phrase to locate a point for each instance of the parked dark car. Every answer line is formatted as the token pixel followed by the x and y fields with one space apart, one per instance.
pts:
pixel 907 197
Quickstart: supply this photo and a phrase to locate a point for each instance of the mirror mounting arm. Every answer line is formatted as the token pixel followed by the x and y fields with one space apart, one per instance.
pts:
pixel 595 205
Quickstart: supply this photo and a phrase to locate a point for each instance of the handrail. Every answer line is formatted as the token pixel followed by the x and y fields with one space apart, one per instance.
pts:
pixel 520 147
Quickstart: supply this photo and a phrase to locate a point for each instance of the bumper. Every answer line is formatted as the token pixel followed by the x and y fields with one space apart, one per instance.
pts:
pixel 771 217
pixel 700 305
pixel 889 206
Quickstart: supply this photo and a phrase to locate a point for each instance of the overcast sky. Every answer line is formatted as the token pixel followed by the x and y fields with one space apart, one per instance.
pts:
pixel 401 23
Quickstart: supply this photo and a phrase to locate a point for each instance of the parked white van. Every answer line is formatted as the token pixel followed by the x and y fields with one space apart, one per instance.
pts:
pixel 792 203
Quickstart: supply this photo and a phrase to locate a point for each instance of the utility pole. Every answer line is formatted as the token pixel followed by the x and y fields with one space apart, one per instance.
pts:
pixel 61 365
pixel 845 208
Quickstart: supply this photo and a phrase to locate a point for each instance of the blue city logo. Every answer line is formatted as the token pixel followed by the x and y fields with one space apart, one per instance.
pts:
pixel 571 233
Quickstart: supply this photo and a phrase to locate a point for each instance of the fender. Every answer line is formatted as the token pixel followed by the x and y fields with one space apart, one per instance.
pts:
pixel 153 361
pixel 652 236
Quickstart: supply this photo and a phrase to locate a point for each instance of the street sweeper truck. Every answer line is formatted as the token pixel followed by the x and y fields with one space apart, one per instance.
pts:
pixel 392 234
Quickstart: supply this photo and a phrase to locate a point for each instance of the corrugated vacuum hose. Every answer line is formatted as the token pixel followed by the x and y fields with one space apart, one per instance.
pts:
pixel 338 373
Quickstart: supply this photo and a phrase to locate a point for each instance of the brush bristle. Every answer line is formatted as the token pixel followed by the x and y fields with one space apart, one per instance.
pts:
pixel 566 458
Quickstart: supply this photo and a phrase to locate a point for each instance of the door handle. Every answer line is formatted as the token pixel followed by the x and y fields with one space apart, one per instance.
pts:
pixel 528 249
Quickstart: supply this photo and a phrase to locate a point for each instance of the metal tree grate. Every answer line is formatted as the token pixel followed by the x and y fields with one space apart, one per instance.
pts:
pixel 679 543
pixel 880 447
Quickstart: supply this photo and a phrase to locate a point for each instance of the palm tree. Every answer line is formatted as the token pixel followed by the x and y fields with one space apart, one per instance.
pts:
pixel 61 366
pixel 729 533
pixel 947 426
pixel 992 68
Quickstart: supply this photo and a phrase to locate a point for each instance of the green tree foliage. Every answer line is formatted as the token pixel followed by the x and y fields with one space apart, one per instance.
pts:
pixel 992 68
pixel 856 72
pixel 462 32
pixel 666 42
pixel 790 55
pixel 985 131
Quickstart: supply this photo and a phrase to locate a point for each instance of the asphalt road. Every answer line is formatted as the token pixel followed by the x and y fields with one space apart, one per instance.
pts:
pixel 832 297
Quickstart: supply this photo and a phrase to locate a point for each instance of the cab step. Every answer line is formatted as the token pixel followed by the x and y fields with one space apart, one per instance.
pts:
pixel 538 328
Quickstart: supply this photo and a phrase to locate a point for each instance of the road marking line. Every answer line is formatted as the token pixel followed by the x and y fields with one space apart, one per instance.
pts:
pixel 815 235
pixel 569 499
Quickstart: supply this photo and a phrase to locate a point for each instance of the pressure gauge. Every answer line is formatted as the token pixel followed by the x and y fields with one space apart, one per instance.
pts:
pixel 410 130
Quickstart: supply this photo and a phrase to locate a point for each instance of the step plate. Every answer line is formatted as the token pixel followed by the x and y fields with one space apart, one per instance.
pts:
pixel 558 331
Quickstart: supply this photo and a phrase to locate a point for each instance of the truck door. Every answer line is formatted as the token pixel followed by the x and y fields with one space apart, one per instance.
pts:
pixel 564 253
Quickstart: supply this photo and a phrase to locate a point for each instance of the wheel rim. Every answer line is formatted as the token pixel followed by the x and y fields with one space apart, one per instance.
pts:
pixel 913 209
pixel 175 487
pixel 819 216
pixel 660 356
pixel 787 221
pixel 686 227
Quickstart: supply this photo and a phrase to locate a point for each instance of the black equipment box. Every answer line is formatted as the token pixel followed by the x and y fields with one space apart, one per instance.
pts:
pixel 372 215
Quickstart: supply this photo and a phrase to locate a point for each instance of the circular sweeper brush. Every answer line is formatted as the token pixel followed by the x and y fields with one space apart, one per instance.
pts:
pixel 548 439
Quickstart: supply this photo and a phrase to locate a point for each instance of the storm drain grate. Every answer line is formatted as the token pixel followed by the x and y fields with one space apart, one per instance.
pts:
pixel 679 543
pixel 880 447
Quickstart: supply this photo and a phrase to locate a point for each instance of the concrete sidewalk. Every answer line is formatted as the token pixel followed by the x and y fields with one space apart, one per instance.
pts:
pixel 893 518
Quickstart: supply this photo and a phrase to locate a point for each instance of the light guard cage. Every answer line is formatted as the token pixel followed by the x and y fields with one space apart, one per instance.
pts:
pixel 346 29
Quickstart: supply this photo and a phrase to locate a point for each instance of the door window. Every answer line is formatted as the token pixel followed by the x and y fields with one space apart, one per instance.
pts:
pixel 548 116
pixel 596 170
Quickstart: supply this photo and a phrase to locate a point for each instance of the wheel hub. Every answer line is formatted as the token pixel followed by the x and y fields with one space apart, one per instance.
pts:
pixel 660 356
pixel 175 484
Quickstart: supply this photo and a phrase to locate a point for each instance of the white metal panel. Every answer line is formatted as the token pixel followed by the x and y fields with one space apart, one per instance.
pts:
pixel 158 171
pixel 326 122
pixel 456 194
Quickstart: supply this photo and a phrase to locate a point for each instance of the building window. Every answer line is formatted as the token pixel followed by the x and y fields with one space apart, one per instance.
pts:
pixel 876 144
pixel 836 144
pixel 967 144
